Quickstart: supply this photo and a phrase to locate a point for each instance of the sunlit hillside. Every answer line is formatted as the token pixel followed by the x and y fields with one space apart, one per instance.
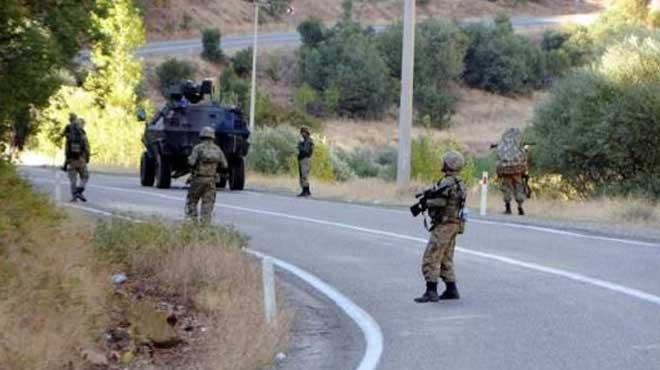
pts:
pixel 172 19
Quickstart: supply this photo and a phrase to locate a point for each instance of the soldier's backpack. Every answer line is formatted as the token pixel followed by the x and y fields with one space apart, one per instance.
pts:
pixel 511 156
pixel 75 142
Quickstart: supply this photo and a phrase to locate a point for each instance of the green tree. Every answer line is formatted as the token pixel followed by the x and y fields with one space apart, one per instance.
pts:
pixel 242 62
pixel 38 42
pixel 172 72
pixel 312 31
pixel 211 45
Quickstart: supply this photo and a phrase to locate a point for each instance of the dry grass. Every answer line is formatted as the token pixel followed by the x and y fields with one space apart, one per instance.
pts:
pixel 165 21
pixel 52 292
pixel 205 268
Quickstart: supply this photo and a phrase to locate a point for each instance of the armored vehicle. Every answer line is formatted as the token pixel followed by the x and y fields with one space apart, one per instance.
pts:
pixel 171 134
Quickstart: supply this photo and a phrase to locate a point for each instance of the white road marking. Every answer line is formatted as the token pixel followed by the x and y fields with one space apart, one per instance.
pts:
pixel 370 329
pixel 631 292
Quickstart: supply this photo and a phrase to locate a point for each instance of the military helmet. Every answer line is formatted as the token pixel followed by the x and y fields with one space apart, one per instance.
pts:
pixel 207 133
pixel 305 129
pixel 453 160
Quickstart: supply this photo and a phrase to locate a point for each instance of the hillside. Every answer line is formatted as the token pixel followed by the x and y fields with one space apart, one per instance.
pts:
pixel 175 19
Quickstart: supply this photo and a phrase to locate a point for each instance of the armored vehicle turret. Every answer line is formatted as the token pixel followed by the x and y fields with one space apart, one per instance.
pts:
pixel 172 133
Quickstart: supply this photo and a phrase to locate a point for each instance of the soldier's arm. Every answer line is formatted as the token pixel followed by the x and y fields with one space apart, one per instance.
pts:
pixel 192 159
pixel 223 160
pixel 441 192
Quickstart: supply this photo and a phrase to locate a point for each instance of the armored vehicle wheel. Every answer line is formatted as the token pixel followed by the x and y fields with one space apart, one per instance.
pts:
pixel 163 172
pixel 222 183
pixel 147 170
pixel 237 174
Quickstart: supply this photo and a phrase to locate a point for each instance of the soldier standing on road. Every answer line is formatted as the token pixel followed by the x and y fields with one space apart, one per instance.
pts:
pixel 511 168
pixel 446 209
pixel 204 160
pixel 76 155
pixel 305 152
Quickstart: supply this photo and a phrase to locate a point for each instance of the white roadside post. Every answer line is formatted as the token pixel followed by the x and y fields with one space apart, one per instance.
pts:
pixel 253 91
pixel 484 194
pixel 270 303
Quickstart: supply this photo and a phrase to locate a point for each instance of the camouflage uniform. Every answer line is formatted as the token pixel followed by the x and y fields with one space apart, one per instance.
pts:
pixel 305 151
pixel 445 209
pixel 205 159
pixel 511 165
pixel 77 160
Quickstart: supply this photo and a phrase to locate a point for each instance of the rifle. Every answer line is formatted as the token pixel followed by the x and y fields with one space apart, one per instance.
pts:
pixel 421 207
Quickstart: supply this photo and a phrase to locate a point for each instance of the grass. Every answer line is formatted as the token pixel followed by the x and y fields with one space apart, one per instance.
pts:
pixel 57 301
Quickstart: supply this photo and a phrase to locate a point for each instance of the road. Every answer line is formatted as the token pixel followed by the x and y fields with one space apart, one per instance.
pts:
pixel 194 46
pixel 532 298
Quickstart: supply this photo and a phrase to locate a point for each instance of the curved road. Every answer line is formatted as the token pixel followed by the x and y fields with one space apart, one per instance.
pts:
pixel 533 298
pixel 194 46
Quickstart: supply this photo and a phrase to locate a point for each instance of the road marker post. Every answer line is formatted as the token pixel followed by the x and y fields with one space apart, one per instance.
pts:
pixel 58 192
pixel 484 193
pixel 270 303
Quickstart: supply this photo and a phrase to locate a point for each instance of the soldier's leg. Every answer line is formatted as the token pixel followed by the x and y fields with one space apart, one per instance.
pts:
pixel 191 200
pixel 519 193
pixel 447 269
pixel 83 174
pixel 507 192
pixel 73 180
pixel 431 267
pixel 208 202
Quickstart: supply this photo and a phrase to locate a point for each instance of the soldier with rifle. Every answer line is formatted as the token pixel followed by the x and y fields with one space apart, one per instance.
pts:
pixel 512 170
pixel 445 204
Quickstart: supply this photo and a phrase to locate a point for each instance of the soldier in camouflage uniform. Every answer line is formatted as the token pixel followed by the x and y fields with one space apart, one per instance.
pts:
pixel 446 211
pixel 204 160
pixel 77 155
pixel 305 151
pixel 511 167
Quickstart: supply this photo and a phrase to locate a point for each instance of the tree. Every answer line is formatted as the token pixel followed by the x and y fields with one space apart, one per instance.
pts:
pixel 211 45
pixel 312 31
pixel 242 62
pixel 38 42
pixel 172 72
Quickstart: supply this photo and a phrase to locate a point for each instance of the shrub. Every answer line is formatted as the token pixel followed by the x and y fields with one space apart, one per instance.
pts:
pixel 242 62
pixel 234 91
pixel 426 159
pixel 361 161
pixel 342 170
pixel 502 62
pixel 172 71
pixel 272 149
pixel 211 45
pixel 599 128
pixel 312 31
pixel 307 100
pixel 434 105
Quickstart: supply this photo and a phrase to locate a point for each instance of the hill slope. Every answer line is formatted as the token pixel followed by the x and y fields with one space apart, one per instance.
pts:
pixel 175 19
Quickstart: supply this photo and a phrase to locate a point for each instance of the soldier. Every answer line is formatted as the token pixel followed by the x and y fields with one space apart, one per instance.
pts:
pixel 204 160
pixel 445 203
pixel 511 169
pixel 305 151
pixel 76 155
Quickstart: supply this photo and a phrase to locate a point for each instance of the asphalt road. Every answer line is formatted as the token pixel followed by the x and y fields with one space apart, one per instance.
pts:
pixel 532 298
pixel 194 46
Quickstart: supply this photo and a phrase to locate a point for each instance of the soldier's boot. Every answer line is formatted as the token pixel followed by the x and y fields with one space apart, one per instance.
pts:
pixel 451 292
pixel 307 192
pixel 521 211
pixel 79 194
pixel 507 208
pixel 302 193
pixel 431 294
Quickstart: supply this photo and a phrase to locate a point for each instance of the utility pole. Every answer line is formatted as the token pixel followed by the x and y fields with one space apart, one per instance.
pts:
pixel 253 92
pixel 406 104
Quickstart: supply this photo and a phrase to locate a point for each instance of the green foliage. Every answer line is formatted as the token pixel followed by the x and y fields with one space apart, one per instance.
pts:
pixel 440 48
pixel 600 127
pixel 426 161
pixel 270 114
pixel 234 91
pixel 502 62
pixel 108 100
pixel 306 99
pixel 636 10
pixel 38 42
pixel 342 170
pixel 272 149
pixel 242 62
pixel 312 31
pixel 211 45
pixel 322 161
pixel 365 162
pixel 172 72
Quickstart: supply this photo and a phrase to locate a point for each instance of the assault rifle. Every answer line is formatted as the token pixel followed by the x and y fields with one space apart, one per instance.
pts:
pixel 421 207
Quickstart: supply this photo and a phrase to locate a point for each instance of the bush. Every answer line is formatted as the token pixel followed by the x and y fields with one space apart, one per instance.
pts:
pixel 242 62
pixel 173 71
pixel 426 160
pixel 502 62
pixel 312 31
pixel 307 100
pixel 211 45
pixel 234 91
pixel 599 128
pixel 342 170
pixel 272 150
